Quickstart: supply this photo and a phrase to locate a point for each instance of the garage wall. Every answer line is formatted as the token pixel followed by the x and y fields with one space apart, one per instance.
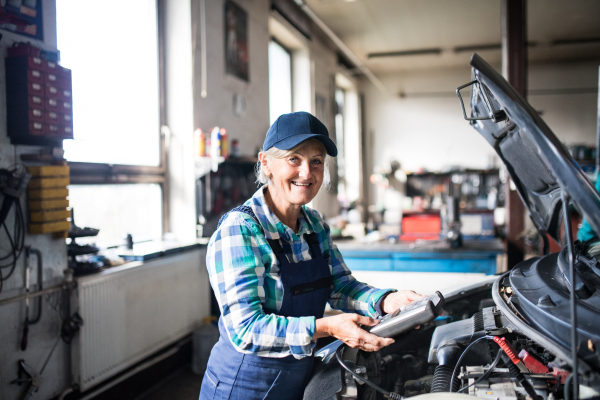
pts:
pixel 216 109
pixel 425 129
pixel 43 334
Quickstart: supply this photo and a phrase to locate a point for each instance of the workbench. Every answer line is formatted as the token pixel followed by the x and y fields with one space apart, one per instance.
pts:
pixel 421 266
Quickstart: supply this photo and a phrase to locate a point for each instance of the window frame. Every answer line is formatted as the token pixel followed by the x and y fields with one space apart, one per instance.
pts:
pixel 88 173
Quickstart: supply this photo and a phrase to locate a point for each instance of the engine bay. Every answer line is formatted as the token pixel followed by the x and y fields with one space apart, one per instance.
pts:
pixel 507 338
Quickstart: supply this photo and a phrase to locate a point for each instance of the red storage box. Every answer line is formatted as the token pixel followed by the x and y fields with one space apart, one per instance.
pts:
pixel 36 115
pixel 67 119
pixel 52 117
pixel 421 225
pixel 65 94
pixel 52 129
pixel 65 107
pixel 35 75
pixel 36 128
pixel 35 63
pixel 52 78
pixel 51 67
pixel 35 89
pixel 23 49
pixel 35 102
pixel 51 104
pixel 66 131
pixel 52 91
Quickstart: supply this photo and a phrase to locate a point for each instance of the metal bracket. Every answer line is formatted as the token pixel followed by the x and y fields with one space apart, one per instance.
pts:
pixel 495 115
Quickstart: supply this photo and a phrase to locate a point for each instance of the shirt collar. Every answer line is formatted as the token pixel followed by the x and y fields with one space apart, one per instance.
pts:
pixel 272 226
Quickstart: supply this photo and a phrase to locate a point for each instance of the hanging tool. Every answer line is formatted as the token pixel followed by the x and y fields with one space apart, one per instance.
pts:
pixel 30 378
pixel 28 322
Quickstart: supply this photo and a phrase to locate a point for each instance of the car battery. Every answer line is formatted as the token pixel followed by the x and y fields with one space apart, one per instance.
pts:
pixel 39 101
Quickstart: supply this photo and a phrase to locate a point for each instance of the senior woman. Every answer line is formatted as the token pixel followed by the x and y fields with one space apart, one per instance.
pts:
pixel 273 268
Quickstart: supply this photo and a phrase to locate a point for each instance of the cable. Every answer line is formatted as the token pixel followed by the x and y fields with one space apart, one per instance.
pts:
pixel 389 395
pixel 486 373
pixel 17 244
pixel 566 392
pixel 463 355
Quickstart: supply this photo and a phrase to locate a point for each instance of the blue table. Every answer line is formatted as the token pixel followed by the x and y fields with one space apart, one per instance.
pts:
pixel 473 257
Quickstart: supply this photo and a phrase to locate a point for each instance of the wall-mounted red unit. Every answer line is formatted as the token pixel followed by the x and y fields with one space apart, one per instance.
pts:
pixel 39 101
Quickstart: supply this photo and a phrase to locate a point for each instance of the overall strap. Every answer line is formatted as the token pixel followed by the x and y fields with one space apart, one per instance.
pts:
pixel 242 209
pixel 313 244
pixel 279 252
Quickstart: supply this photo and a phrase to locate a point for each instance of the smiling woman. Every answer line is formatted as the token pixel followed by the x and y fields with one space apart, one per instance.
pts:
pixel 273 268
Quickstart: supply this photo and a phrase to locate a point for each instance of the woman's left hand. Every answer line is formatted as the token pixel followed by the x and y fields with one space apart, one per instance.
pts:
pixel 394 301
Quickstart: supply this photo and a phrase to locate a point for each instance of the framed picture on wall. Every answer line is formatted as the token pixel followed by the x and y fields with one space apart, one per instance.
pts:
pixel 236 41
pixel 23 17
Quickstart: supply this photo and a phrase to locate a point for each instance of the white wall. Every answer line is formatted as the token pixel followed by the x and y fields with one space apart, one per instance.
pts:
pixel 54 251
pixel 572 117
pixel 430 132
pixel 324 68
pixel 216 109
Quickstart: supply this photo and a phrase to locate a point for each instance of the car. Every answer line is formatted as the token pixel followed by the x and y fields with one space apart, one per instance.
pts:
pixel 511 336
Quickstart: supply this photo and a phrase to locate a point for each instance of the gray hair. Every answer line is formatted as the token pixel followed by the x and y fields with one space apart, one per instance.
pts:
pixel 262 178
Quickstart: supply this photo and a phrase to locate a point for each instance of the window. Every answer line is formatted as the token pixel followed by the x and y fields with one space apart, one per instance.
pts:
pixel 112 48
pixel 280 80
pixel 117 168
pixel 347 134
pixel 118 210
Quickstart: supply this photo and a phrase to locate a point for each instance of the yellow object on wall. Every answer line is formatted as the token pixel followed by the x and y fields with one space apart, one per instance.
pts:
pixel 48 201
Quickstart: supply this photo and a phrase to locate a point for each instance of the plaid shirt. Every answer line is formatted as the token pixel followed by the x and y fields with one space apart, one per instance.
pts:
pixel 245 277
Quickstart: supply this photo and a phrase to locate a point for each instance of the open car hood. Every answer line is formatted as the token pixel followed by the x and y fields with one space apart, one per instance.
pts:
pixel 538 163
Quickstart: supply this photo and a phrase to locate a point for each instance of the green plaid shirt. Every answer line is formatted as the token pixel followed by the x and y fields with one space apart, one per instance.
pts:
pixel 245 277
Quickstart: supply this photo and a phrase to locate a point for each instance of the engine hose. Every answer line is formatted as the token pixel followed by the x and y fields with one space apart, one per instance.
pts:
pixel 386 394
pixel 441 379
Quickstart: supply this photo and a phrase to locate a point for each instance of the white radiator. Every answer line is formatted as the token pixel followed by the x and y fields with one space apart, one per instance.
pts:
pixel 130 312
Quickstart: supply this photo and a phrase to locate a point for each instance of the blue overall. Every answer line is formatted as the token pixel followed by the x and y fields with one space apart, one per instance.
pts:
pixel 234 375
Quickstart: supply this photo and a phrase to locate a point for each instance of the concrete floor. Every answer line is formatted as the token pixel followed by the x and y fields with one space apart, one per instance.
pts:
pixel 180 385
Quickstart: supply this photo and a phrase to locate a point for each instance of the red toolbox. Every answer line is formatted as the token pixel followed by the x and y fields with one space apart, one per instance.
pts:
pixel 425 225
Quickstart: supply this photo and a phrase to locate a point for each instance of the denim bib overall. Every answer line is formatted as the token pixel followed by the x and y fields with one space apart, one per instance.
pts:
pixel 234 375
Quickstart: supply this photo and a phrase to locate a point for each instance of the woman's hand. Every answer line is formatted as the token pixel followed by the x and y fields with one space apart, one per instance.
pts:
pixel 394 301
pixel 346 327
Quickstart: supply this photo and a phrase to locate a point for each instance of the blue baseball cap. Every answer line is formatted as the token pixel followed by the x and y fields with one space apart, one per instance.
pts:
pixel 291 129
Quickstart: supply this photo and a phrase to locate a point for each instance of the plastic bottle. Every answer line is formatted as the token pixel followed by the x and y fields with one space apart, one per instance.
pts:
pixel 203 340
pixel 235 148
pixel 224 143
pixel 215 143
pixel 199 143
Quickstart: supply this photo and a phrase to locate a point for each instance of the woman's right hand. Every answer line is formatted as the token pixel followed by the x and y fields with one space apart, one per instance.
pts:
pixel 346 327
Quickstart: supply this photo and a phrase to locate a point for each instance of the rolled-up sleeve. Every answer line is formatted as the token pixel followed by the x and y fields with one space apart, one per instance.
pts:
pixel 236 264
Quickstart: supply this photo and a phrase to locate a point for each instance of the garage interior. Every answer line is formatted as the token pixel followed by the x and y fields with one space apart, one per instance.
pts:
pixel 104 291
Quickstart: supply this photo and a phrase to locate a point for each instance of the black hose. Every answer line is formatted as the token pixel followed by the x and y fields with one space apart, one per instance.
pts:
pixel 463 355
pixel 441 379
pixel 389 395
pixel 486 373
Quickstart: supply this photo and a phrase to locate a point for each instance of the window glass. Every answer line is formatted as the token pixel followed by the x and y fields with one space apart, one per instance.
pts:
pixel 111 46
pixel 118 210
pixel 280 81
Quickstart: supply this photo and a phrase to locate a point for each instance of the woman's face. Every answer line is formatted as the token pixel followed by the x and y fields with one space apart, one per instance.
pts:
pixel 297 178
